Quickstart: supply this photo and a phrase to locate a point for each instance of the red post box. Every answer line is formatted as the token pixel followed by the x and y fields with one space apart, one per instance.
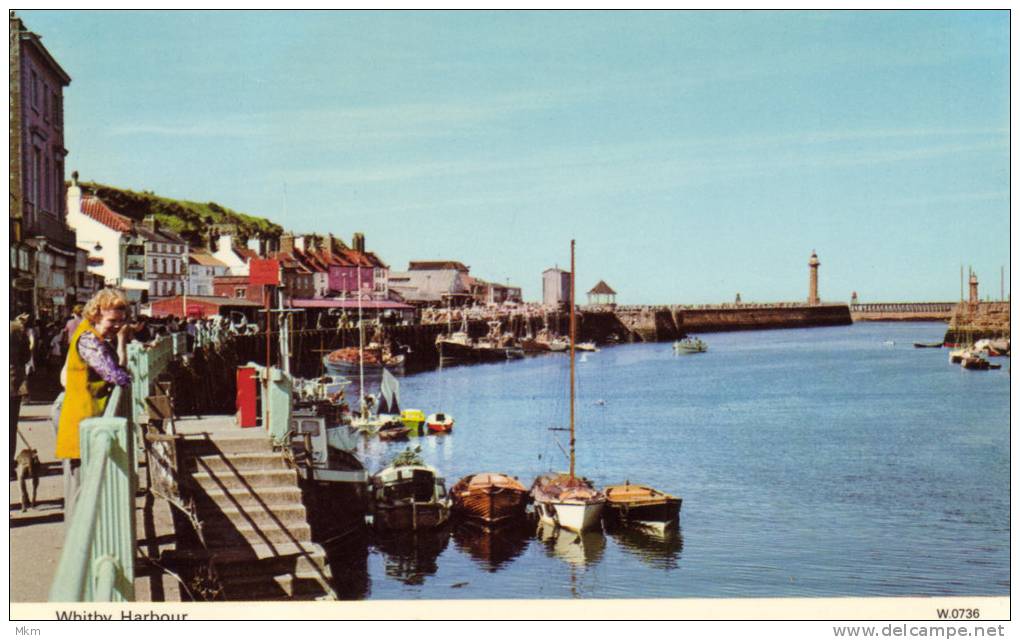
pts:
pixel 247 397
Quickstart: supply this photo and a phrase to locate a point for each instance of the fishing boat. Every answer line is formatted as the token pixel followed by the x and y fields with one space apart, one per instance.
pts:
pixel 455 346
pixel 373 357
pixel 408 495
pixel 566 499
pixel 927 345
pixel 439 423
pixel 993 348
pixel 689 345
pixel 637 504
pixel 492 499
pixel 496 345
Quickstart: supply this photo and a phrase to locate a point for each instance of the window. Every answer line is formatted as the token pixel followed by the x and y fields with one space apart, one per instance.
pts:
pixel 47 188
pixel 46 102
pixel 35 90
pixel 239 292
pixel 36 168
pixel 58 191
pixel 58 114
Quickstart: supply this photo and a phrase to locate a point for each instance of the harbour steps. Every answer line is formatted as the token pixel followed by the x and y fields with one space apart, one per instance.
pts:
pixel 253 540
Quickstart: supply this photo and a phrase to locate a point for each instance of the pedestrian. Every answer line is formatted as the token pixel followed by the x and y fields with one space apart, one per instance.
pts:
pixel 72 324
pixel 94 366
pixel 19 359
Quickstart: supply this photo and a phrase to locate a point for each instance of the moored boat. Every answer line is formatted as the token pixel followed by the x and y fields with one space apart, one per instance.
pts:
pixel 408 495
pixel 393 430
pixel 414 420
pixel 567 501
pixel 928 345
pixel 439 423
pixel 638 504
pixel 689 345
pixel 348 361
pixel 489 498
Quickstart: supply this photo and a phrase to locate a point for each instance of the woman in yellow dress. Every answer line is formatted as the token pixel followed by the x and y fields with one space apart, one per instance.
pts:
pixel 93 366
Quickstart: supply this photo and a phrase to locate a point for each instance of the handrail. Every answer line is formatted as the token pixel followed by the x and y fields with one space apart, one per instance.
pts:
pixel 97 561
pixel 70 583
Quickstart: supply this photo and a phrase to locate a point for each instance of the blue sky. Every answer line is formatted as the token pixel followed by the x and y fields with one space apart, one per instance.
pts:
pixel 693 155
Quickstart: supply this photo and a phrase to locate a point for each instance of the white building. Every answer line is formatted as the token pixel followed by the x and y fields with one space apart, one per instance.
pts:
pixel 165 253
pixel 115 251
pixel 555 287
pixel 234 258
pixel 202 268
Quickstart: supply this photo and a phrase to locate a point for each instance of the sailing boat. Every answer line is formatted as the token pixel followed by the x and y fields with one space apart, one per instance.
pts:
pixel 566 499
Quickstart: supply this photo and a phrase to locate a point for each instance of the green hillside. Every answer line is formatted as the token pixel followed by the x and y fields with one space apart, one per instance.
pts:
pixel 190 219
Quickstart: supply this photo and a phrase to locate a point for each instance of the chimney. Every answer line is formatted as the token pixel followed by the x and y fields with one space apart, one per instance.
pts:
pixel 149 222
pixel 255 244
pixel 358 242
pixel 224 243
pixel 74 195
pixel 287 243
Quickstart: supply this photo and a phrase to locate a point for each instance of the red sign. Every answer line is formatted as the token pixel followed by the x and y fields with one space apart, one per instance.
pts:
pixel 264 272
pixel 195 311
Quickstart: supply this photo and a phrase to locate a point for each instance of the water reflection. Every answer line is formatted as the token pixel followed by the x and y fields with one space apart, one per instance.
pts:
pixel 658 546
pixel 348 564
pixel 410 556
pixel 579 549
pixel 492 549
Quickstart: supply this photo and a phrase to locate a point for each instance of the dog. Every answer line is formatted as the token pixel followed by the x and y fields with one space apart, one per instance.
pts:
pixel 29 467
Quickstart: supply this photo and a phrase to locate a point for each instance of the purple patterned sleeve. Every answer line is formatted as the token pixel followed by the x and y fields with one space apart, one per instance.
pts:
pixel 101 358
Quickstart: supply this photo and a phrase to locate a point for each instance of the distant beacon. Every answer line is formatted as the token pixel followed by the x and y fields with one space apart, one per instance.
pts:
pixel 813 283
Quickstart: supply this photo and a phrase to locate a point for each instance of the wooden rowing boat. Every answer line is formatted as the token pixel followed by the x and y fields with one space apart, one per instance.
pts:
pixel 635 503
pixel 491 498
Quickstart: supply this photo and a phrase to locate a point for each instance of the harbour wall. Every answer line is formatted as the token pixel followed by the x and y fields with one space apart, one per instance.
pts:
pixel 902 311
pixel 206 379
pixel 971 322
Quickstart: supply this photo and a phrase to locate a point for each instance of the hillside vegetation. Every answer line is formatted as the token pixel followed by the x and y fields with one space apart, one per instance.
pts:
pixel 191 220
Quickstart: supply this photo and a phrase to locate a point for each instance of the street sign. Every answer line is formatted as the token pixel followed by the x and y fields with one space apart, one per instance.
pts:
pixel 264 272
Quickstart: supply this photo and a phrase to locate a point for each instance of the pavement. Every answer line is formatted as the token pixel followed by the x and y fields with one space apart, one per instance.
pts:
pixel 37 535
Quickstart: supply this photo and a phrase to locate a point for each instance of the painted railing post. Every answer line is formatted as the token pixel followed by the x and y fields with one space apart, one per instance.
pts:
pixel 115 533
pixel 276 408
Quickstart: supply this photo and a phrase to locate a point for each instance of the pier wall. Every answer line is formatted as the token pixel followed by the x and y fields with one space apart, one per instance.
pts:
pixel 902 312
pixel 977 321
pixel 652 324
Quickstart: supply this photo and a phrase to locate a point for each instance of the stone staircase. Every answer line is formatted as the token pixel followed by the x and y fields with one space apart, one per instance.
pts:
pixel 257 540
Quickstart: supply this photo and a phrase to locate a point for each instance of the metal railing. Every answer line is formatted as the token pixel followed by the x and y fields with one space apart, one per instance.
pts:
pixel 97 563
pixel 98 560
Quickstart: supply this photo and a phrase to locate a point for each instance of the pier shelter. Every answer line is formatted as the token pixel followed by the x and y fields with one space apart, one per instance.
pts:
pixel 602 293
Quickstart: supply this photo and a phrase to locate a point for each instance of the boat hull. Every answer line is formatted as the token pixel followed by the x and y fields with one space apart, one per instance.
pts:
pixel 492 506
pixel 350 369
pixel 664 512
pixel 413 516
pixel 570 515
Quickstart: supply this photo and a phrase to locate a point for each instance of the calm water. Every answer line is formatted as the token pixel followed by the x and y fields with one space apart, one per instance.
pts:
pixel 821 462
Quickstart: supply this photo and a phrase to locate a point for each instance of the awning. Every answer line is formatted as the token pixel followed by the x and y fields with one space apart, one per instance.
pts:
pixel 367 305
pixel 134 285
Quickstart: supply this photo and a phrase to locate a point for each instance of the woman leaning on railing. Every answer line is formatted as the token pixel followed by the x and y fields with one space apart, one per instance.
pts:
pixel 93 367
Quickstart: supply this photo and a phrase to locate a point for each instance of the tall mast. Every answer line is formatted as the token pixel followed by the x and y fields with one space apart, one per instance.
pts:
pixel 361 352
pixel 573 340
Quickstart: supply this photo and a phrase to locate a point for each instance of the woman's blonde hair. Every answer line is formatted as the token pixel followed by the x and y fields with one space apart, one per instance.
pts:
pixel 104 300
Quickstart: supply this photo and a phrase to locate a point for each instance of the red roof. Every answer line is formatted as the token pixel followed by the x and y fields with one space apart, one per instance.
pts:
pixel 96 209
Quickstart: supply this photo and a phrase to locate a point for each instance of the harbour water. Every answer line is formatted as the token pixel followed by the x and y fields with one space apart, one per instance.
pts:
pixel 819 462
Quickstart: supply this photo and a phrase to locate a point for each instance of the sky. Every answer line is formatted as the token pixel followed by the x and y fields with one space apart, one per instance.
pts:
pixel 692 155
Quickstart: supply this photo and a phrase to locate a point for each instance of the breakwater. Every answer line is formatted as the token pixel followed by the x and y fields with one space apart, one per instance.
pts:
pixel 971 322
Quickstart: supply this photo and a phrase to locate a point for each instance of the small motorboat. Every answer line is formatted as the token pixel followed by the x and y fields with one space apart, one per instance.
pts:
pixel 927 345
pixel 586 346
pixel 956 356
pixel 394 430
pixel 689 345
pixel 975 362
pixel 408 495
pixel 439 423
pixel 637 504
pixel 489 498
pixel 414 420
